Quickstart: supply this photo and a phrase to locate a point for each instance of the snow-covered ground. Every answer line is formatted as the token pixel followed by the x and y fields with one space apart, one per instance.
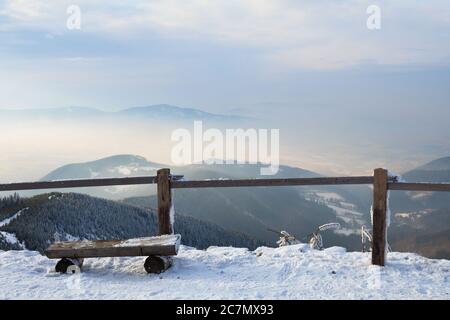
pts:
pixel 15 216
pixel 11 237
pixel 293 272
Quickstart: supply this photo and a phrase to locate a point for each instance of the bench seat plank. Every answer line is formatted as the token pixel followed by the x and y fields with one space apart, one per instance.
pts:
pixel 166 245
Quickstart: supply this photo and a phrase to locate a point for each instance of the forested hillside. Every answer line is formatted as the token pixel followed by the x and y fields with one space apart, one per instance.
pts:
pixel 40 220
pixel 421 219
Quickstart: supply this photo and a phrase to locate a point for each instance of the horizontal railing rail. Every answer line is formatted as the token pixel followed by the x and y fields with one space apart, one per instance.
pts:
pixel 407 186
pixel 178 183
pixel 81 183
pixel 226 183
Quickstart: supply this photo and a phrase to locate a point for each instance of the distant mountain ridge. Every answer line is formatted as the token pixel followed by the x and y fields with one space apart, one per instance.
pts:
pixel 157 111
pixel 438 164
pixel 116 166
pixel 434 171
pixel 165 110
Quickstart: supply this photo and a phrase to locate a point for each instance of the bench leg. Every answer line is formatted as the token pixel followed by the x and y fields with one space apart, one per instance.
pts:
pixel 69 265
pixel 156 264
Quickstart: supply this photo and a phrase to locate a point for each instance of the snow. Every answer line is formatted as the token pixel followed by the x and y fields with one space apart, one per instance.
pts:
pixel 395 176
pixel 164 240
pixel 11 237
pixel 15 216
pixel 329 196
pixel 151 169
pixel 132 168
pixel 414 214
pixel 347 231
pixel 345 211
pixel 350 217
pixel 69 237
pixel 292 272
pixel 403 214
pixel 421 195
pixel 94 174
pixel 124 170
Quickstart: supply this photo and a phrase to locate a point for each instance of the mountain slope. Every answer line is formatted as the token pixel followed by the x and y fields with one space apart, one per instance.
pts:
pixel 434 171
pixel 117 166
pixel 421 219
pixel 437 171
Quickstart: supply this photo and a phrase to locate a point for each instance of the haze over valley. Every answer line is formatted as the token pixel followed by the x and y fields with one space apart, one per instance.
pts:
pixel 37 140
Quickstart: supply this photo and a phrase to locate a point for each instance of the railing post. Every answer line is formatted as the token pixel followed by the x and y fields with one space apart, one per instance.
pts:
pixel 379 208
pixel 164 201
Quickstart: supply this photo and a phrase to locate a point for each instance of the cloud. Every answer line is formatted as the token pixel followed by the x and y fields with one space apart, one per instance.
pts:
pixel 319 35
pixel 24 10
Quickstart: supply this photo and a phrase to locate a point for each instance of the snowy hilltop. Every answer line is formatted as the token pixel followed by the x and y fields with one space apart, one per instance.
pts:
pixel 291 272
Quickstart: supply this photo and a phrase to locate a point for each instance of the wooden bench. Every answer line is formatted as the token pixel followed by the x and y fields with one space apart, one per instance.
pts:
pixel 158 249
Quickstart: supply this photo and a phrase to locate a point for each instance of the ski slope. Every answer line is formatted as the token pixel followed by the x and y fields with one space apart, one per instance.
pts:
pixel 293 272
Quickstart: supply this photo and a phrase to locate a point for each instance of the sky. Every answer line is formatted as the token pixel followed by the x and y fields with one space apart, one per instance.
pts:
pixel 313 65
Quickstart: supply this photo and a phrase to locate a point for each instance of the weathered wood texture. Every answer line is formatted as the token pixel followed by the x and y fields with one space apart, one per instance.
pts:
pixel 162 246
pixel 164 201
pixel 379 209
pixel 407 186
pixel 271 182
pixel 79 183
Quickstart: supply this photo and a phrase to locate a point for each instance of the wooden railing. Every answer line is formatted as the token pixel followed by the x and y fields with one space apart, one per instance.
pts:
pixel 166 182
